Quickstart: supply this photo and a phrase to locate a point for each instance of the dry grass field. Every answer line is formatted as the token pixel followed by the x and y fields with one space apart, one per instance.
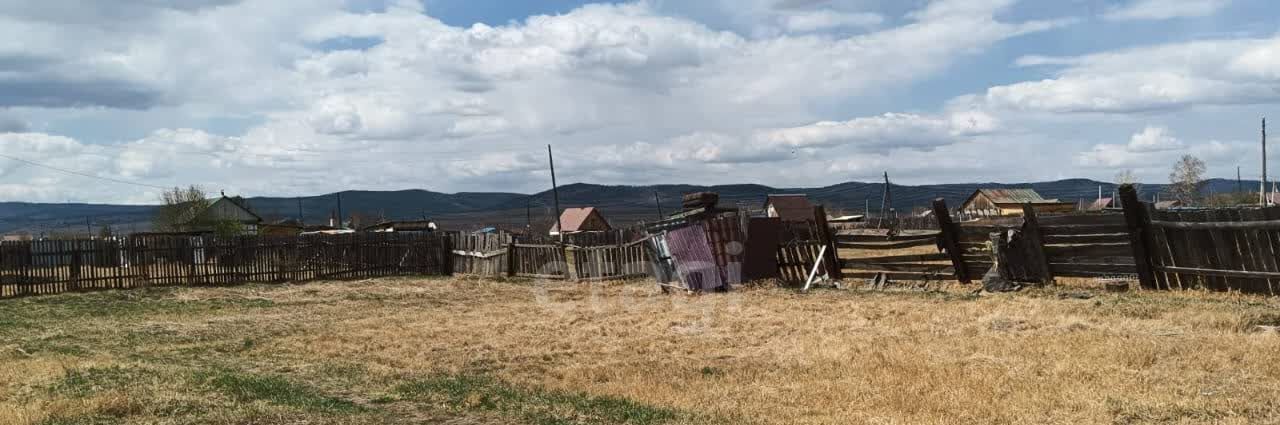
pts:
pixel 464 351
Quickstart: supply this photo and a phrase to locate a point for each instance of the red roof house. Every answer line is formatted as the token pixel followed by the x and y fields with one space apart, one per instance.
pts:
pixel 581 220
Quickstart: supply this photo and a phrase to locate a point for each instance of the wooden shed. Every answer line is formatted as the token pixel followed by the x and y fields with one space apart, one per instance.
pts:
pixel 1007 202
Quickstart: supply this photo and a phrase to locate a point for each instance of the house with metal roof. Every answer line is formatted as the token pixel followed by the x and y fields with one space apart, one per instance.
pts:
pixel 220 212
pixel 789 207
pixel 1009 202
pixel 577 220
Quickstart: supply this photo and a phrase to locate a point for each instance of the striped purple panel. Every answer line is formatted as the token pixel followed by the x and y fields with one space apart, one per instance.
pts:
pixel 693 257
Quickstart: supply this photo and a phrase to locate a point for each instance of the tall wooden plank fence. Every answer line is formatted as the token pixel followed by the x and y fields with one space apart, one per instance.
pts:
pixel 56 266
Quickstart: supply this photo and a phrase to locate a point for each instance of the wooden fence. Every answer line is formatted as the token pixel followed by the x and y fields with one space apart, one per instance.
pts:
pixel 896 257
pixel 1219 249
pixel 484 254
pixel 50 267
pixel 610 262
pixel 1092 245
pixel 537 261
pixel 796 259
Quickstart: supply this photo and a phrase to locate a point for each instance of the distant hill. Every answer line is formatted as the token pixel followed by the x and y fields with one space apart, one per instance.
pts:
pixel 621 204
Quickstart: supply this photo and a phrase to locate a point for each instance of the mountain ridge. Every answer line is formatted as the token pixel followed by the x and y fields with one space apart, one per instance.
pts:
pixel 621 203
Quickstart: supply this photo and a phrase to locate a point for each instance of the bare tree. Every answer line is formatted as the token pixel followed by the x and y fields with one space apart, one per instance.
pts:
pixel 1186 179
pixel 1127 177
pixel 178 208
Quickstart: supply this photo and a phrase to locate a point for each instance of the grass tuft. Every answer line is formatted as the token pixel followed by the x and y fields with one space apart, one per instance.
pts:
pixel 539 406
pixel 245 387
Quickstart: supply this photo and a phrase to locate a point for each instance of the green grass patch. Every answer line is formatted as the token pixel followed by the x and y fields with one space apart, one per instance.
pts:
pixel 48 346
pixel 539 406
pixel 83 382
pixel 35 312
pixel 246 387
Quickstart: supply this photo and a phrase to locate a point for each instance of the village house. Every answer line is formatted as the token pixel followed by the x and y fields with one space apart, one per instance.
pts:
pixel 223 211
pixel 577 220
pixel 1009 202
pixel 789 207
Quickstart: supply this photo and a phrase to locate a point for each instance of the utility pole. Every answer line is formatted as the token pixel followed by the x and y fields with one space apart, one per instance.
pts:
pixel 301 220
pixel 555 193
pixel 87 226
pixel 1262 191
pixel 340 224
pixel 1239 183
pixel 886 202
pixel 658 201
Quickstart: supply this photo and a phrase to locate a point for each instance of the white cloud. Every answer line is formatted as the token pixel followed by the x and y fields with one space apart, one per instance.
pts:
pixel 1153 139
pixel 897 132
pixel 1163 77
pixel 821 20
pixel 1165 9
pixel 1155 148
pixel 444 107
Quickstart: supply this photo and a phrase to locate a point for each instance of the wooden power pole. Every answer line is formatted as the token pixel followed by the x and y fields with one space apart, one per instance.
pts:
pixel 1262 191
pixel 555 193
pixel 658 201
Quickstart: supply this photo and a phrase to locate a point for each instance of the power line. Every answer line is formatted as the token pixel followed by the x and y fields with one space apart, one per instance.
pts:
pixel 77 173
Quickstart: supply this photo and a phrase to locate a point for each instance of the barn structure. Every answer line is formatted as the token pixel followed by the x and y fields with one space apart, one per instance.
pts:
pixel 577 220
pixel 789 207
pixel 1006 202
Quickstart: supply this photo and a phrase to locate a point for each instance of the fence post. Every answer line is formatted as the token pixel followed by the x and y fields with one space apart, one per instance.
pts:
pixel 1031 231
pixel 511 258
pixel 446 255
pixel 617 257
pixel 1135 218
pixel 76 264
pixel 571 262
pixel 834 268
pixel 948 239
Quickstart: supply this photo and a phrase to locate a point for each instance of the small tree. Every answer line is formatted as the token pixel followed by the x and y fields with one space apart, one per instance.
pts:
pixel 1127 177
pixel 1186 179
pixel 105 232
pixel 178 208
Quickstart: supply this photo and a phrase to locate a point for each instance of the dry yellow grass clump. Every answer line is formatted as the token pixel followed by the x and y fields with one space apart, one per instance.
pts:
pixel 480 351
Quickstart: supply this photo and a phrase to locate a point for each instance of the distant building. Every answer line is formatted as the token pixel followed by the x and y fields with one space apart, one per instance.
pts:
pixel 403 226
pixel 795 207
pixel 223 210
pixel 1101 204
pixel 17 237
pixel 1164 205
pixel 581 220
pixel 286 227
pixel 1004 202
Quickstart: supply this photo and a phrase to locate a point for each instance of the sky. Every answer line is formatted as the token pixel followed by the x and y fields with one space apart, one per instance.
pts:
pixel 114 101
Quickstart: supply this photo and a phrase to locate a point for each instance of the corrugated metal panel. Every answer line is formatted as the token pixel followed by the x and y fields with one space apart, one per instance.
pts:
pixel 694 259
pixel 728 244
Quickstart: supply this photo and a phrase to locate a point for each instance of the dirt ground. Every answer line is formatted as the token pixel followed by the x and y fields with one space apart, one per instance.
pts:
pixel 464 351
